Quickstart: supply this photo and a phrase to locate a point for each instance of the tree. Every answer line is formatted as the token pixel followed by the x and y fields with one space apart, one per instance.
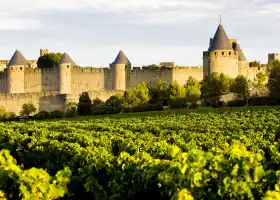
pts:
pixel 261 78
pixel 241 87
pixel 115 103
pixel 137 95
pixel 192 88
pixel 274 81
pixel 97 104
pixel 72 109
pixel 27 109
pixel 84 105
pixel 176 91
pixel 210 91
pixel 255 64
pixel 49 60
pixel 159 92
pixel 224 84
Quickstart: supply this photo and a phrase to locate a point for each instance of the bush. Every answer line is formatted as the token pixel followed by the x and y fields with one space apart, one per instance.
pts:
pixel 193 105
pixel 42 115
pixel 56 114
pixel 27 109
pixel 84 105
pixel 237 103
pixel 177 103
pixel 144 108
pixel 72 109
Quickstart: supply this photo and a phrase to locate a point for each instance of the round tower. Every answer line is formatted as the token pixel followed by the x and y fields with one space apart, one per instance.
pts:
pixel 119 68
pixel 15 70
pixel 221 56
pixel 65 78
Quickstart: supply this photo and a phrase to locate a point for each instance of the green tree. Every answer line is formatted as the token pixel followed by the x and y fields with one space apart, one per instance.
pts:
pixel 137 95
pixel 84 105
pixel 27 109
pixel 261 78
pixel 49 60
pixel 97 104
pixel 192 88
pixel 255 64
pixel 72 109
pixel 224 82
pixel 159 93
pixel 274 80
pixel 176 91
pixel 241 87
pixel 210 88
pixel 115 103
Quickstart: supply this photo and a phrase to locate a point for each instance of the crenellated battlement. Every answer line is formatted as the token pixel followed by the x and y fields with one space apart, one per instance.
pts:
pixel 92 70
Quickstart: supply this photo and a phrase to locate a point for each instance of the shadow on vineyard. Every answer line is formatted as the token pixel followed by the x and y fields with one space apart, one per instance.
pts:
pixel 226 153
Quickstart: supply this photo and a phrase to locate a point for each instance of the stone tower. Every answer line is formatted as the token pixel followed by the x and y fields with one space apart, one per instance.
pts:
pixel 221 56
pixel 119 68
pixel 15 70
pixel 65 68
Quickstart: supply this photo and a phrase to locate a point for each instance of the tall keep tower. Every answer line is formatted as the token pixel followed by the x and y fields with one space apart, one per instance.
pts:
pixel 65 75
pixel 221 56
pixel 15 70
pixel 120 67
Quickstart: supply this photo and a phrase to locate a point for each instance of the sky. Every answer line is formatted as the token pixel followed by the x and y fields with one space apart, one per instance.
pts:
pixel 148 31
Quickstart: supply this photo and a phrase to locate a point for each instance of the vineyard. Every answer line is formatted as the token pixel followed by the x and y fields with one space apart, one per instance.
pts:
pixel 227 153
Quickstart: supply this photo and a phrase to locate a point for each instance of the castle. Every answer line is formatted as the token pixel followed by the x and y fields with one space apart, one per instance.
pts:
pixel 52 88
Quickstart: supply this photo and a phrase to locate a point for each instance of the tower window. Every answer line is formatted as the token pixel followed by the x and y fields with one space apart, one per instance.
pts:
pixel 67 66
pixel 223 53
pixel 21 68
pixel 215 53
pixel 259 68
pixel 229 53
pixel 11 68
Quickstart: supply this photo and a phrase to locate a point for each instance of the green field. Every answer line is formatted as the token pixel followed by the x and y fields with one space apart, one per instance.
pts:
pixel 227 153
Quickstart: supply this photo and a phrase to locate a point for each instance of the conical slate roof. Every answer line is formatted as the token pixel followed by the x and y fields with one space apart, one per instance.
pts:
pixel 241 55
pixel 65 59
pixel 17 59
pixel 220 40
pixel 121 59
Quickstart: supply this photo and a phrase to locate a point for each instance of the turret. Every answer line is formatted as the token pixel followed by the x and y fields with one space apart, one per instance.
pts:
pixel 15 70
pixel 220 57
pixel 65 68
pixel 119 68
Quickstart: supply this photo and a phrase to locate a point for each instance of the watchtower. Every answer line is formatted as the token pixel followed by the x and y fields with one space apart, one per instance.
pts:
pixel 15 70
pixel 220 57
pixel 120 67
pixel 65 75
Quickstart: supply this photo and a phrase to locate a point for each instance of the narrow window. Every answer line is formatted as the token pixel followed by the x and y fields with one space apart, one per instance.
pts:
pixel 215 53
pixel 259 68
pixel 229 53
pixel 11 68
pixel 20 68
pixel 223 53
pixel 67 66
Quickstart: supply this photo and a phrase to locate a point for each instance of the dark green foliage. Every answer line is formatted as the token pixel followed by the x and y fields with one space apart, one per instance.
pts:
pixel 274 81
pixel 56 114
pixel 27 109
pixel 42 115
pixel 84 105
pixel 72 109
pixel 49 60
pixel 241 87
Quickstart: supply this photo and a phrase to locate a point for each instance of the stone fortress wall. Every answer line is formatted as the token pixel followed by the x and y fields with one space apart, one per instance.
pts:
pixel 52 88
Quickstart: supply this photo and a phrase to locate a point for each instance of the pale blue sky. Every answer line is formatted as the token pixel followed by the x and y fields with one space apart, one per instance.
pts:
pixel 148 31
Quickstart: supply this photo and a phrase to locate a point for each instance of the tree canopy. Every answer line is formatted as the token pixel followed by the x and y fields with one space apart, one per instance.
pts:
pixel 49 60
pixel 241 87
